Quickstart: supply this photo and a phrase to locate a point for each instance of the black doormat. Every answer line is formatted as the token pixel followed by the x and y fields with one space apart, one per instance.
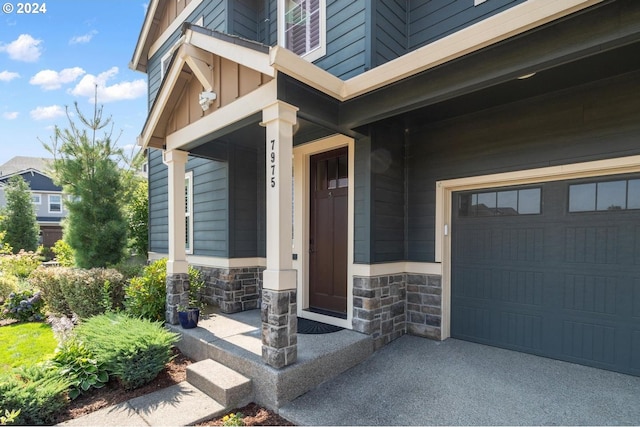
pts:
pixel 306 326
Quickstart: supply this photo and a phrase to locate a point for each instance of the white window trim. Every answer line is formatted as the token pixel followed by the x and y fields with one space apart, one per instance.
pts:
pixel 316 53
pixel 38 197
pixel 477 2
pixel 188 177
pixel 60 203
pixel 165 60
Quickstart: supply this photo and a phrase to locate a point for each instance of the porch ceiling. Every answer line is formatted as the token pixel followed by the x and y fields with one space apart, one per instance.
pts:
pixel 249 133
pixel 595 44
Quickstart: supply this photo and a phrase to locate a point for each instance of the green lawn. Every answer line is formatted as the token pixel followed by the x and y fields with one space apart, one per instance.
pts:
pixel 25 344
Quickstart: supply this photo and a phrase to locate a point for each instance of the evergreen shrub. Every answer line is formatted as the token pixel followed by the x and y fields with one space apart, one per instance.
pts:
pixel 133 350
pixel 38 391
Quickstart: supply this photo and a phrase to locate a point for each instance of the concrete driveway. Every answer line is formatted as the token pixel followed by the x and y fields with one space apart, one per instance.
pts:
pixel 415 381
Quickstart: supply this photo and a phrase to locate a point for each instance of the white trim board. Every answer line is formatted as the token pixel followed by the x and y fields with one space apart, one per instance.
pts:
pixel 215 262
pixel 301 168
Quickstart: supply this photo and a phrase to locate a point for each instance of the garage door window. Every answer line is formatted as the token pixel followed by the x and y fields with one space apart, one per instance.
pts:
pixel 605 196
pixel 526 201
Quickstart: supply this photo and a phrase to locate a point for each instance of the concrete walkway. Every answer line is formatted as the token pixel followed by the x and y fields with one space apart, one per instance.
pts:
pixel 178 405
pixel 415 381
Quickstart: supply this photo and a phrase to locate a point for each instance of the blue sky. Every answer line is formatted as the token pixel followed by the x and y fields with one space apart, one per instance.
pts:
pixel 51 59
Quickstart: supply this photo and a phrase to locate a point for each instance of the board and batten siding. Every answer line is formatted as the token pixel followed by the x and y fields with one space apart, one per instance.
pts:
pixel 590 122
pixel 214 18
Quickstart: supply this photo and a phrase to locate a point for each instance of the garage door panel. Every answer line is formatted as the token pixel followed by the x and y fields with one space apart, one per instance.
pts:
pixel 589 342
pixel 592 245
pixel 522 244
pixel 510 286
pixel 559 283
pixel 509 328
pixel 590 294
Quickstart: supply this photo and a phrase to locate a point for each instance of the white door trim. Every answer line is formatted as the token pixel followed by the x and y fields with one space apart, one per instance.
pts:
pixel 301 168
pixel 446 188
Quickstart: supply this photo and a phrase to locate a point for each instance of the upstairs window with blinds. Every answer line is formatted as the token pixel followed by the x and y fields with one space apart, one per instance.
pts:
pixel 304 27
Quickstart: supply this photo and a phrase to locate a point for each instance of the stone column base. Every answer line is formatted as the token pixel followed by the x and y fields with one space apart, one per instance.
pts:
pixel 279 327
pixel 177 293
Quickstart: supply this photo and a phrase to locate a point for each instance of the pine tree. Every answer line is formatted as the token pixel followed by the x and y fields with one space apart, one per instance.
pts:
pixel 19 220
pixel 87 167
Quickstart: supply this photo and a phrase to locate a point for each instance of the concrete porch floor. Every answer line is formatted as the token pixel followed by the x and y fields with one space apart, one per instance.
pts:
pixel 235 340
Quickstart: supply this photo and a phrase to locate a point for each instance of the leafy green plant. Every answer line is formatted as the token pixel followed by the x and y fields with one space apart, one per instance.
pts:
pixel 134 350
pixel 24 306
pixel 39 391
pixel 78 364
pixel 233 419
pixel 145 295
pixel 63 253
pixel 8 417
pixel 196 286
pixel 21 264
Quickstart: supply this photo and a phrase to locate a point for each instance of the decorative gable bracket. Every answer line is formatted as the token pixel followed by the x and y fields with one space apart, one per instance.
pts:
pixel 196 60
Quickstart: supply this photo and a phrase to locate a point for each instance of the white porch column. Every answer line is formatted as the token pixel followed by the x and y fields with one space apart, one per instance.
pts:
pixel 177 267
pixel 279 321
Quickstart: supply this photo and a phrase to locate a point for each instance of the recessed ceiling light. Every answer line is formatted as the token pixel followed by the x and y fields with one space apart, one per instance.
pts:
pixel 526 76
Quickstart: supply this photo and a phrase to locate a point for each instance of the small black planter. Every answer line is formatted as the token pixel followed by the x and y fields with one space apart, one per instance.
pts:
pixel 189 319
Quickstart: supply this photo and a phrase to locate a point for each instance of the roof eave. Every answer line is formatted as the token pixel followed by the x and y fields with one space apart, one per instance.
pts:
pixel 143 38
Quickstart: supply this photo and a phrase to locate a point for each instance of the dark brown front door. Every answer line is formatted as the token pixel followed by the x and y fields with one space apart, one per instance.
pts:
pixel 328 232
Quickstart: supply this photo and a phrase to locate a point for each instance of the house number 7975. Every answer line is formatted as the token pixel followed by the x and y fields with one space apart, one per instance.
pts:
pixel 273 163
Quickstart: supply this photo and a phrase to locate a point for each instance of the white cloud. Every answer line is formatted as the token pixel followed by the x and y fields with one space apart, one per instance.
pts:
pixel 84 38
pixel 10 115
pixel 50 79
pixel 44 113
pixel 24 48
pixel 116 92
pixel 7 76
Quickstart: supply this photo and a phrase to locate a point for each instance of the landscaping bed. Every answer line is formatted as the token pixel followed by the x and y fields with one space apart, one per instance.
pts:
pixel 175 372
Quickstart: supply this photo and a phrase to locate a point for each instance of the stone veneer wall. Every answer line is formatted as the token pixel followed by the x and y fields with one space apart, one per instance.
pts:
pixel 279 327
pixel 177 287
pixel 389 306
pixel 233 289
pixel 424 302
pixel 379 307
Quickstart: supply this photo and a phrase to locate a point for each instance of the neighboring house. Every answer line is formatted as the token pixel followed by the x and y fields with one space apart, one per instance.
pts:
pixel 465 169
pixel 47 197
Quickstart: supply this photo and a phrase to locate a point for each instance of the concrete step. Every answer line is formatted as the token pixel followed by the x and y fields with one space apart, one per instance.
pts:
pixel 226 386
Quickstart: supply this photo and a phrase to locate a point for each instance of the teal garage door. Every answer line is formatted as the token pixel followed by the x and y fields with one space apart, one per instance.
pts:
pixel 551 269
